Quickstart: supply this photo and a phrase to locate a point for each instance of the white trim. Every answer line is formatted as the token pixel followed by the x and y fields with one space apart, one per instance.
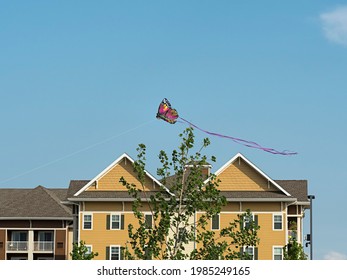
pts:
pixel 91 248
pixel 245 221
pixel 91 222
pixel 228 199
pixel 113 164
pixel 120 220
pixel 238 156
pixel 249 247
pixel 273 250
pixel 110 253
pixel 110 199
pixel 261 199
pixel 273 221
pixel 107 212
pixel 242 212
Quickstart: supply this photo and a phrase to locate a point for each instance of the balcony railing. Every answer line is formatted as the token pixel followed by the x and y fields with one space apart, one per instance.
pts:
pixel 43 246
pixel 39 246
pixel 17 246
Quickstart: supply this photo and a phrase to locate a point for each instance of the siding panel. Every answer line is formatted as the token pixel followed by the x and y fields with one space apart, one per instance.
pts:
pixel 100 237
pixel 110 181
pixel 240 176
pixel 2 243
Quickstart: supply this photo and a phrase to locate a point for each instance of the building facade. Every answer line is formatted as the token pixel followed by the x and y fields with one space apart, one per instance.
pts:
pixel 43 223
pixel 34 224
pixel 104 207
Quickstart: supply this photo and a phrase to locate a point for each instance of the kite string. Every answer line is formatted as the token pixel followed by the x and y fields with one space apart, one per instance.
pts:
pixel 246 143
pixel 74 153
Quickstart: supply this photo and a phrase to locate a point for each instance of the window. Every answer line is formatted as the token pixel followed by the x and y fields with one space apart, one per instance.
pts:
pixel 247 221
pixel 45 236
pixel 149 220
pixel 19 241
pixel 89 249
pixel 19 236
pixel 115 221
pixel 44 241
pixel 87 221
pixel 215 222
pixel 277 253
pixel 249 251
pixel 277 222
pixel 115 253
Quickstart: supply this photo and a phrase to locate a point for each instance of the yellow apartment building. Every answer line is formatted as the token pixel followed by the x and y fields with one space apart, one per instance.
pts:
pixel 102 207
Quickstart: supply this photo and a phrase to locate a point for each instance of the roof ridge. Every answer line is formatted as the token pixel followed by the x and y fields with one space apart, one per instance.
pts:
pixel 36 202
pixel 56 199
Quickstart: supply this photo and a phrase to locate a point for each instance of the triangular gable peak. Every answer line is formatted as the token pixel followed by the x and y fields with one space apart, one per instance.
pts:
pixel 108 179
pixel 239 174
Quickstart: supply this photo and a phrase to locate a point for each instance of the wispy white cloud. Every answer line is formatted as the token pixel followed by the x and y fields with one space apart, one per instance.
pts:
pixel 333 255
pixel 334 25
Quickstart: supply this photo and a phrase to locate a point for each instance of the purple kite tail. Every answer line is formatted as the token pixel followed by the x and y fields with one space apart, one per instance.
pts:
pixel 246 143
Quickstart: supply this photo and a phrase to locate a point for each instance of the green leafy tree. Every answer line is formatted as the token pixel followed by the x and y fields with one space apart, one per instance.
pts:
pixel 294 251
pixel 185 191
pixel 80 252
pixel 231 241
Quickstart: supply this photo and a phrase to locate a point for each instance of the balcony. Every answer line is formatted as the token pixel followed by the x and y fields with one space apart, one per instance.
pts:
pixel 23 246
pixel 15 246
pixel 292 234
pixel 43 246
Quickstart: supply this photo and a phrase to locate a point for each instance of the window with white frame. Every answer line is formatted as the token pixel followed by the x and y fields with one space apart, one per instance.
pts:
pixel 247 221
pixel 115 253
pixel 249 251
pixel 87 221
pixel 115 221
pixel 277 222
pixel 215 222
pixel 278 253
pixel 89 249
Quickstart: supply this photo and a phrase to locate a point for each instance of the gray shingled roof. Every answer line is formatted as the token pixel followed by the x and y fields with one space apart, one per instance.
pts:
pixel 296 188
pixel 255 195
pixel 111 195
pixel 34 203
pixel 76 185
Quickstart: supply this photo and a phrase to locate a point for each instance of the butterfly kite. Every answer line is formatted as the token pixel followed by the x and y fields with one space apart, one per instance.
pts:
pixel 170 115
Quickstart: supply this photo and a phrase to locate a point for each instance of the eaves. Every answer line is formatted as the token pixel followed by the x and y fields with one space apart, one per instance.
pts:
pixel 261 199
pixel 37 218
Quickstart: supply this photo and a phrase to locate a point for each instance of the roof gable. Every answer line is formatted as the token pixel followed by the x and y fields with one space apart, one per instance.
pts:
pixel 108 179
pixel 239 174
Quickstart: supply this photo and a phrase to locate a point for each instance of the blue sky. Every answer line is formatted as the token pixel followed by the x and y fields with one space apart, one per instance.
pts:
pixel 80 83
